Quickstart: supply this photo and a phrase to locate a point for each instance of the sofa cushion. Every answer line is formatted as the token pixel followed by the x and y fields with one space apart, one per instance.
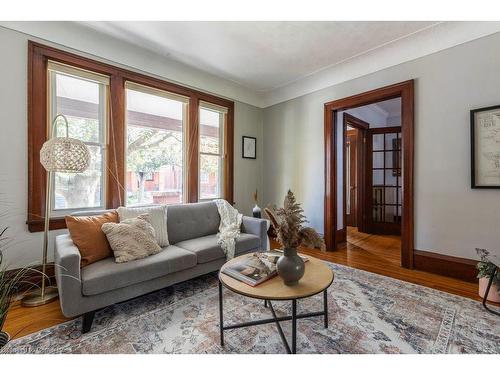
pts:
pixel 207 249
pixel 158 219
pixel 88 236
pixel 107 275
pixel 189 221
pixel 132 239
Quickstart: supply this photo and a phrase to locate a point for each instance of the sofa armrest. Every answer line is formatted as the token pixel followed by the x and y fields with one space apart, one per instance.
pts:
pixel 67 270
pixel 252 225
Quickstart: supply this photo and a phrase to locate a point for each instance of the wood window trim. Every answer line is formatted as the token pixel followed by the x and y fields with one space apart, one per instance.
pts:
pixel 405 90
pixel 38 56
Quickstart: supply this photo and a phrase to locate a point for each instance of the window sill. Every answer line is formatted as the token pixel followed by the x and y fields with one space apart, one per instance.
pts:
pixel 39 225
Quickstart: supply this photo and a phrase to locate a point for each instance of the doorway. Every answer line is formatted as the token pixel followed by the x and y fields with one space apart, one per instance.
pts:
pixel 369 169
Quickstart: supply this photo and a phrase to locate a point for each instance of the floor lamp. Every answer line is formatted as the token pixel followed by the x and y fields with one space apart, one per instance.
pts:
pixel 58 154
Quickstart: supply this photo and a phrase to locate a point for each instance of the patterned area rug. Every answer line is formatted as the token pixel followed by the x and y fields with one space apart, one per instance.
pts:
pixel 369 313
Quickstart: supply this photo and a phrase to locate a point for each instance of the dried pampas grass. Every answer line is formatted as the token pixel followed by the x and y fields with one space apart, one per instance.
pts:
pixel 288 224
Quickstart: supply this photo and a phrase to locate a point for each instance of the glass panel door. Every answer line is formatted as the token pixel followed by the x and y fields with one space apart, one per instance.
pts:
pixel 385 179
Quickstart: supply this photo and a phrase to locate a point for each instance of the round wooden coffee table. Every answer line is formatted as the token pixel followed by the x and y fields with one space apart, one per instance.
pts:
pixel 317 278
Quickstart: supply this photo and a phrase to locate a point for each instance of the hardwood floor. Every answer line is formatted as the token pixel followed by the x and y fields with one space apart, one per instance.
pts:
pixel 22 321
pixel 374 253
pixel 381 254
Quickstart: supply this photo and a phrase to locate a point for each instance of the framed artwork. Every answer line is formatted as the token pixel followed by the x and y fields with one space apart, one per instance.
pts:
pixel 485 148
pixel 249 147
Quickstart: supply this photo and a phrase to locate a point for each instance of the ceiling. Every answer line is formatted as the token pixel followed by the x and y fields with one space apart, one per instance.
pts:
pixel 379 114
pixel 261 56
pixel 259 63
pixel 390 108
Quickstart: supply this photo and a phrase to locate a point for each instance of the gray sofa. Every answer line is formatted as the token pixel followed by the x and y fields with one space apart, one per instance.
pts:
pixel 193 251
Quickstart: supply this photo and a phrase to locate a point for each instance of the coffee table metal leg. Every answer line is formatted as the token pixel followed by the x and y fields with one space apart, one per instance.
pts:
pixel 275 319
pixel 294 326
pixel 280 330
pixel 325 307
pixel 221 318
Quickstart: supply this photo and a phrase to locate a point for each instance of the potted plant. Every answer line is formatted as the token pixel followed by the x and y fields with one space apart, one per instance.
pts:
pixel 288 224
pixel 485 269
pixel 9 287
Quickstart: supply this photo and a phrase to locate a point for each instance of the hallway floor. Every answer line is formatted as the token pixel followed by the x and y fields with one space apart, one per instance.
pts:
pixel 381 254
pixel 384 248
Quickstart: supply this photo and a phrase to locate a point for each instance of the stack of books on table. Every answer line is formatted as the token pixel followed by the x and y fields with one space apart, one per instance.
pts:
pixel 253 269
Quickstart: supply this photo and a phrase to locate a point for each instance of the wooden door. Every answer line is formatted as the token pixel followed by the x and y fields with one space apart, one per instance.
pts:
pixel 352 183
pixel 384 180
pixel 354 178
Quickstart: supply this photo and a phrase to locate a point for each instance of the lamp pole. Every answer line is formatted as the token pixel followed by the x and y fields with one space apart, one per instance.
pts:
pixel 62 154
pixel 45 294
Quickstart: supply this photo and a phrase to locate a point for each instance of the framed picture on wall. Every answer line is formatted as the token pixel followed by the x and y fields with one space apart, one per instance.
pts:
pixel 249 147
pixel 485 148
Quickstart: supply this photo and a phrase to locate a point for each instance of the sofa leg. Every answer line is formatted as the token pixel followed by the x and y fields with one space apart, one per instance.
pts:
pixel 88 318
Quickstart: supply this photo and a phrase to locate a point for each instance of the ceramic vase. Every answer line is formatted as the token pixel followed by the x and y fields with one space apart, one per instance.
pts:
pixel 257 212
pixel 493 295
pixel 290 267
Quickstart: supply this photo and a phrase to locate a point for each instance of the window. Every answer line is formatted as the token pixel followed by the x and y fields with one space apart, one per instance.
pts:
pixel 81 97
pixel 155 145
pixel 151 141
pixel 211 151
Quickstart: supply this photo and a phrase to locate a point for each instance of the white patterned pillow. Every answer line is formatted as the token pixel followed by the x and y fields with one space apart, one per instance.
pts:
pixel 131 239
pixel 158 219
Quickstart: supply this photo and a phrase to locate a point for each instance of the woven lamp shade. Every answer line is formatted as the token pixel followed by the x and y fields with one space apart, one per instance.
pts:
pixel 67 155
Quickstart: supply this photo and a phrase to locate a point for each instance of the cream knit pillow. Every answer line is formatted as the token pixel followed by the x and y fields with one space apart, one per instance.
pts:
pixel 158 219
pixel 131 239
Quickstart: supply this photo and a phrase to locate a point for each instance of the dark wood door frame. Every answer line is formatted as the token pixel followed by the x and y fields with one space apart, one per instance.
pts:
pixel 362 126
pixel 405 91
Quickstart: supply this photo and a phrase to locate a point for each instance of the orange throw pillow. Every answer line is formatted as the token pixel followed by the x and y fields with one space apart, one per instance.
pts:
pixel 88 236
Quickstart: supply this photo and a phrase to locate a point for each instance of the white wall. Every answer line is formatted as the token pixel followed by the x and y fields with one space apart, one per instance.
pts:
pixel 394 120
pixel 450 217
pixel 247 172
pixel 26 247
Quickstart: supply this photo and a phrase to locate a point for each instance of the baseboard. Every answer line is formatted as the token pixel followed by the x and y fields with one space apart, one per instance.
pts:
pixel 458 268
pixel 34 277
pixel 341 235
